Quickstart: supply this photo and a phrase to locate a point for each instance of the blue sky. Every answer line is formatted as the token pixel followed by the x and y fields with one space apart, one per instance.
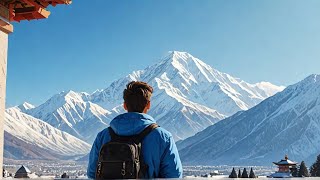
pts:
pixel 85 46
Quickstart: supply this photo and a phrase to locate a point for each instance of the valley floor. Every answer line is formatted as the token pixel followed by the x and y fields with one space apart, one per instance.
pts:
pixel 49 168
pixel 224 171
pixel 78 169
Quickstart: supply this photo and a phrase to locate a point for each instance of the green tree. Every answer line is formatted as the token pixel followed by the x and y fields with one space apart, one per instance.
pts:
pixel 252 175
pixel 303 171
pixel 315 168
pixel 233 174
pixel 239 174
pixel 294 171
pixel 245 173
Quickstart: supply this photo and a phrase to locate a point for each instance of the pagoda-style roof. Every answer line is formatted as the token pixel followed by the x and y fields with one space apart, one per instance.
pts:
pixel 23 172
pixel 18 10
pixel 23 169
pixel 285 162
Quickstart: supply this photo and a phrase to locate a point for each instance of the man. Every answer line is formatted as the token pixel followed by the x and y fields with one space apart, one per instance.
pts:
pixel 159 150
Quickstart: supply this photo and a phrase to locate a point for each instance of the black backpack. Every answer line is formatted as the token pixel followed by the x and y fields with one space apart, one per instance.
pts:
pixel 121 158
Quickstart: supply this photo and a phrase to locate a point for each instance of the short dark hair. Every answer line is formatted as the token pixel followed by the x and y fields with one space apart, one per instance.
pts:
pixel 137 95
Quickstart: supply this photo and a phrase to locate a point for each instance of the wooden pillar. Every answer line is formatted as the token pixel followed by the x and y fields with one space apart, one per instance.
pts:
pixel 5 29
pixel 3 76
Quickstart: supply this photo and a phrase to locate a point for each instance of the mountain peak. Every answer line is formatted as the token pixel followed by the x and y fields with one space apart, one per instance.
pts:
pixel 25 106
pixel 28 105
pixel 187 66
pixel 269 87
pixel 81 96
pixel 66 96
pixel 172 53
pixel 180 56
pixel 307 83
pixel 313 78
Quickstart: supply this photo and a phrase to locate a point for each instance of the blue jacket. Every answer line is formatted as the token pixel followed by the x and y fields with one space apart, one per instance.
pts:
pixel 159 149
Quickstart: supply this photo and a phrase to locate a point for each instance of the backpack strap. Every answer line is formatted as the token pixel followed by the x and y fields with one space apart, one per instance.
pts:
pixel 145 132
pixel 113 135
pixel 137 138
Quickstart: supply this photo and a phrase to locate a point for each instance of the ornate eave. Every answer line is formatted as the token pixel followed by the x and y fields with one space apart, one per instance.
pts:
pixel 19 10
pixel 285 162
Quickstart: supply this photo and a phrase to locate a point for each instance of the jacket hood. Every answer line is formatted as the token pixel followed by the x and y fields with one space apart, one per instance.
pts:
pixel 132 123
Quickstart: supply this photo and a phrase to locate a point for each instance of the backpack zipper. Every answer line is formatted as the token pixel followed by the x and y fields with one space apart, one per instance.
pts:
pixel 123 171
pixel 99 168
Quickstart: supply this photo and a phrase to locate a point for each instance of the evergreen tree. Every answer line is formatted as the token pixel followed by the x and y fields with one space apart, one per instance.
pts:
pixel 252 175
pixel 315 168
pixel 303 171
pixel 294 171
pixel 64 176
pixel 233 174
pixel 239 174
pixel 245 173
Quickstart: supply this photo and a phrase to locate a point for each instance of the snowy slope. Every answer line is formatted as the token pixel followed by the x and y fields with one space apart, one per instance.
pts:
pixel 17 149
pixel 72 112
pixel 189 95
pixel 25 107
pixel 36 132
pixel 287 123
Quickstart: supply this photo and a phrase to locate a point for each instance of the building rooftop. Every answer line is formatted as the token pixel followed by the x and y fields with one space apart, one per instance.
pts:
pixel 18 10
pixel 23 169
pixel 286 162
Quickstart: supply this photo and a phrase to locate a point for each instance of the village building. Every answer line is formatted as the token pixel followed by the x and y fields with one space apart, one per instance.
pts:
pixel 16 11
pixel 23 172
pixel 5 173
pixel 285 166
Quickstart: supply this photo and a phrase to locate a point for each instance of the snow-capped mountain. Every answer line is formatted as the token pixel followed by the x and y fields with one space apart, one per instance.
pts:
pixel 189 95
pixel 72 112
pixel 41 134
pixel 286 123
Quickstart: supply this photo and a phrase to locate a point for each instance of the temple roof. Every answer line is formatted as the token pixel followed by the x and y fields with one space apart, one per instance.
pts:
pixel 19 10
pixel 23 169
pixel 285 162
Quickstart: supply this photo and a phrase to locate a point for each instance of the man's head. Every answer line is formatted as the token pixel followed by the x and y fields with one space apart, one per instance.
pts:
pixel 137 97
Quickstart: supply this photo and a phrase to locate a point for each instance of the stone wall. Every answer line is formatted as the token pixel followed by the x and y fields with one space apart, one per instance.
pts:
pixel 3 73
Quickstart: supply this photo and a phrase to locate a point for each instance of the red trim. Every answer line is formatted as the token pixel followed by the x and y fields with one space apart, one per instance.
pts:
pixel 38 11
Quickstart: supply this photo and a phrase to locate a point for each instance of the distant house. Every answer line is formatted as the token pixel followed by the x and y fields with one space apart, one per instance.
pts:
pixel 5 173
pixel 23 172
pixel 64 176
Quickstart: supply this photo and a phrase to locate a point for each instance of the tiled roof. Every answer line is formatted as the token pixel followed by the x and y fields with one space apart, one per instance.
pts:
pixel 23 169
pixel 30 9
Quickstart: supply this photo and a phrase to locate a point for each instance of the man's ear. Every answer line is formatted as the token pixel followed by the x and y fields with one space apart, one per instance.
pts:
pixel 146 109
pixel 149 105
pixel 125 106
